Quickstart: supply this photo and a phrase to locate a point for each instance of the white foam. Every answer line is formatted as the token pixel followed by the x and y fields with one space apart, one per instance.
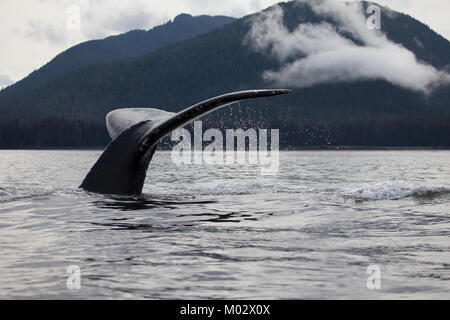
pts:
pixel 393 190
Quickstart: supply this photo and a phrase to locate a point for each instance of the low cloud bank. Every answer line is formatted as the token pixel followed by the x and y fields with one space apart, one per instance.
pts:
pixel 319 53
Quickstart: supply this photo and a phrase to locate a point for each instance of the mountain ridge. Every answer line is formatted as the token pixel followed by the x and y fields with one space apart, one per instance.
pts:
pixel 370 112
pixel 126 45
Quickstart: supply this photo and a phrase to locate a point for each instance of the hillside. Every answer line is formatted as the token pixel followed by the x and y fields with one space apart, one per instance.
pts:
pixel 131 44
pixel 69 111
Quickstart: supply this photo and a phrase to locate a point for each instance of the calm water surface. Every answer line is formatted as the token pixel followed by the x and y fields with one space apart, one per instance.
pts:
pixel 311 231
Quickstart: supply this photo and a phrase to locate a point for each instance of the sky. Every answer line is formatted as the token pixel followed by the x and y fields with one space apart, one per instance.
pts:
pixel 32 32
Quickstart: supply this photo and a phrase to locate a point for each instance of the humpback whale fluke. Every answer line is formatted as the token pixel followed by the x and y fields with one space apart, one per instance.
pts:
pixel 135 133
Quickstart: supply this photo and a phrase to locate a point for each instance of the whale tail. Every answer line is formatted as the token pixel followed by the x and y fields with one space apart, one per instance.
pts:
pixel 122 167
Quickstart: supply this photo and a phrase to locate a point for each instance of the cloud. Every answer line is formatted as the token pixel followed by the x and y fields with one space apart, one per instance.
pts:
pixel 94 19
pixel 24 49
pixel 39 31
pixel 123 18
pixel 318 53
pixel 5 81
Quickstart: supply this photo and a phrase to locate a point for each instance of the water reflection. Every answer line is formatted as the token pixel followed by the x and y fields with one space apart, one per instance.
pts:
pixel 193 212
pixel 144 202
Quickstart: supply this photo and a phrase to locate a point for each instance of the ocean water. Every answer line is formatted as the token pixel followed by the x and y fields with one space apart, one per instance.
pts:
pixel 328 225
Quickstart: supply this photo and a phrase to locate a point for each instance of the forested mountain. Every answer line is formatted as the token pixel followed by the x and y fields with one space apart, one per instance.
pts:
pixel 131 44
pixel 69 111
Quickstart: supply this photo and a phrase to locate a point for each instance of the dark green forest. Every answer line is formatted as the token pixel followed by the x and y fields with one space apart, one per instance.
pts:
pixel 68 110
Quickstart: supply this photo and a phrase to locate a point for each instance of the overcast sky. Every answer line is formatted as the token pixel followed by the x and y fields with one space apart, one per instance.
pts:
pixel 32 32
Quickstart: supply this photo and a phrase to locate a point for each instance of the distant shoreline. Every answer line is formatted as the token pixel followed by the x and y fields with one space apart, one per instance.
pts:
pixel 317 148
pixel 362 148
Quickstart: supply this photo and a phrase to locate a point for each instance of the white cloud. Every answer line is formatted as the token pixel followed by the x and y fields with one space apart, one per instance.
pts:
pixel 44 32
pixel 5 80
pixel 318 53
